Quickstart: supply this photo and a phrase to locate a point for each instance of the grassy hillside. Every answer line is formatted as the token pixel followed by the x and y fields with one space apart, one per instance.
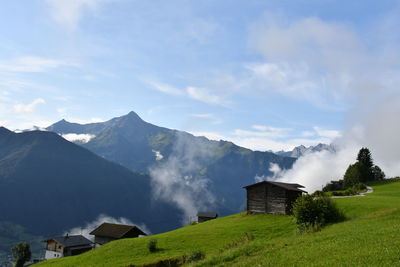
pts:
pixel 370 237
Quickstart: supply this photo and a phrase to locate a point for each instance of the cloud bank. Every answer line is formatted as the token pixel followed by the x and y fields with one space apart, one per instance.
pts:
pixel 339 65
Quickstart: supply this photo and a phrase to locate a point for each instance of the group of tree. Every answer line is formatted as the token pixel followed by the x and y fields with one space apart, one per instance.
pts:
pixel 21 253
pixel 363 170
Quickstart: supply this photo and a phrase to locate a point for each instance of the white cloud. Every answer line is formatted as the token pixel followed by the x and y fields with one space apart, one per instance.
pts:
pixel 271 134
pixel 158 155
pixel 327 133
pixel 172 180
pixel 32 64
pixel 329 45
pixel 207 116
pixel 68 13
pixel 28 108
pixel 79 138
pixel 203 95
pixel 203 116
pixel 264 144
pixel 210 135
pixel 165 88
pixel 5 123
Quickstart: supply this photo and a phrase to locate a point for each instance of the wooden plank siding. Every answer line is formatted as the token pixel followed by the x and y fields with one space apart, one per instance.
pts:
pixel 276 199
pixel 270 197
pixel 256 199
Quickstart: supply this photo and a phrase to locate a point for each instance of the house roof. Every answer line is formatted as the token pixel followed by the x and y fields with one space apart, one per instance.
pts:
pixel 207 214
pixel 287 186
pixel 115 230
pixel 71 240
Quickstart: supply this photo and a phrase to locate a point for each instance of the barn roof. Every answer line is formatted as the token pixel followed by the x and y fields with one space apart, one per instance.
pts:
pixel 287 186
pixel 71 241
pixel 207 214
pixel 115 230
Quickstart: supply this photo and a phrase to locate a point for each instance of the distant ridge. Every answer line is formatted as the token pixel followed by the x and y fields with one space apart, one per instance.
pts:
pixel 138 145
pixel 301 150
pixel 50 185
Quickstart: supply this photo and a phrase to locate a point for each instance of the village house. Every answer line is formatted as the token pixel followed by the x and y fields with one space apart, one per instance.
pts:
pixel 107 232
pixel 68 245
pixel 272 197
pixel 206 216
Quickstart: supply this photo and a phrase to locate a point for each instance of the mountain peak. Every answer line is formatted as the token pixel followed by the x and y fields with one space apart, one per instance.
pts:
pixel 4 130
pixel 133 114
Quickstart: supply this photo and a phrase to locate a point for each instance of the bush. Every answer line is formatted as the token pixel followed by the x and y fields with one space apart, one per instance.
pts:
pixel 152 245
pixel 195 256
pixel 311 213
pixel 318 193
pixel 360 187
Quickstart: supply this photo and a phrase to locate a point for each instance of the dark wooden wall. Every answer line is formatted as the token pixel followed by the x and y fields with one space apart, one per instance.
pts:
pixel 276 199
pixel 269 198
pixel 257 199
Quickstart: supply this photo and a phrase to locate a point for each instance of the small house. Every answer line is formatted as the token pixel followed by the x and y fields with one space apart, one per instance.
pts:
pixel 110 231
pixel 206 216
pixel 68 245
pixel 272 197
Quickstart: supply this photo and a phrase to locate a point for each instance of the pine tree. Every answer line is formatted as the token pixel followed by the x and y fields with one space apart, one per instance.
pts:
pixel 22 253
pixel 364 156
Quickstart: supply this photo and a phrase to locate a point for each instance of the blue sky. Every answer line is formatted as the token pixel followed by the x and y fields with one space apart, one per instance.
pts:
pixel 264 74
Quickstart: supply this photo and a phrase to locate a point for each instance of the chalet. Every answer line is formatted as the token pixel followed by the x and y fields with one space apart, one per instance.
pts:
pixel 272 197
pixel 206 216
pixel 67 245
pixel 110 231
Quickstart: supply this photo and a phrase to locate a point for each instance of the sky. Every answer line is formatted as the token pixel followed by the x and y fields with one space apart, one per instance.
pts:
pixel 267 75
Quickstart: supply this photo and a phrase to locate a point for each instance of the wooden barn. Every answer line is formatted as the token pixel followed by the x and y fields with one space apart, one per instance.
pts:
pixel 206 216
pixel 110 231
pixel 272 197
pixel 68 245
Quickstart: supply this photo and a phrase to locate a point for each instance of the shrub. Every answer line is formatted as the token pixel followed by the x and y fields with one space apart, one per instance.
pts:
pixel 152 245
pixel 311 213
pixel 318 193
pixel 360 187
pixel 195 256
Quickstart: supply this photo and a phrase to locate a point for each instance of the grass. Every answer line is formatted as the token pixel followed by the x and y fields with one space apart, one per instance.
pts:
pixel 370 237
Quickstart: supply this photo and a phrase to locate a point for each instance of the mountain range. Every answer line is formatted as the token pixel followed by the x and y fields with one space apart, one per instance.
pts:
pixel 124 167
pixel 141 147
pixel 301 150
pixel 49 185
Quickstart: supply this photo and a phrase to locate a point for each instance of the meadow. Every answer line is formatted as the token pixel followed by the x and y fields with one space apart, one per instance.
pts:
pixel 370 236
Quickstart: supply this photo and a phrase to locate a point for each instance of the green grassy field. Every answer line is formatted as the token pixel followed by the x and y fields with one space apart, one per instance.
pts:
pixel 369 237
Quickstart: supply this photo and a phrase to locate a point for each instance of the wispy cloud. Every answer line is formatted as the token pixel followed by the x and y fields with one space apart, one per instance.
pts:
pixel 166 88
pixel 207 116
pixel 268 138
pixel 327 133
pixel 28 108
pixel 69 13
pixel 32 64
pixel 203 95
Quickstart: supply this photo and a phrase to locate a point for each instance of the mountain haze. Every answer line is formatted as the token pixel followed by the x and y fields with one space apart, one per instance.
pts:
pixel 49 185
pixel 142 147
